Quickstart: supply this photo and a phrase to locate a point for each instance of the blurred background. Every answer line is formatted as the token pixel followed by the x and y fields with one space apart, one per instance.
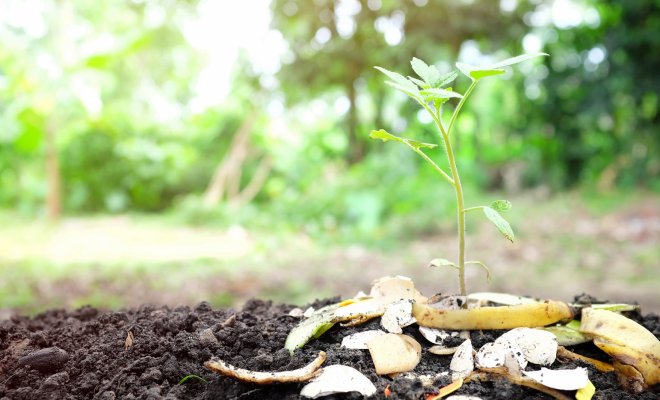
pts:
pixel 164 151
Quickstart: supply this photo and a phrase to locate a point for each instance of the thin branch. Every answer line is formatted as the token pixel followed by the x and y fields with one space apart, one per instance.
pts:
pixel 459 106
pixel 437 168
pixel 473 209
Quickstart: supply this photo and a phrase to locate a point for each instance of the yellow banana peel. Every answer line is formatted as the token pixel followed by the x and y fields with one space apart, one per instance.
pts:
pixel 506 317
pixel 635 350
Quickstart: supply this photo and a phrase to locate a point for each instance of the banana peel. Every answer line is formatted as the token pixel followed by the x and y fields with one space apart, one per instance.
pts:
pixel 530 315
pixel 635 350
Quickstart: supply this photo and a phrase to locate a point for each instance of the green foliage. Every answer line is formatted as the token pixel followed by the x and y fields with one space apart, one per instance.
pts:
pixel 431 76
pixel 501 224
pixel 190 377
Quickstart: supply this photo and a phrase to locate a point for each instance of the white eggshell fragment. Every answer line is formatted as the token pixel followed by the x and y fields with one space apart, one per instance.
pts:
pixel 392 353
pixel 397 315
pixel 499 353
pixel 389 289
pixel 296 312
pixel 338 379
pixel 490 355
pixel 441 350
pixel 462 363
pixel 538 346
pixel 433 335
pixel 358 341
pixel 562 379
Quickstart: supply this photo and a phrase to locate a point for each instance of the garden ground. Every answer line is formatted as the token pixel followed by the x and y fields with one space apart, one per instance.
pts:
pixel 567 245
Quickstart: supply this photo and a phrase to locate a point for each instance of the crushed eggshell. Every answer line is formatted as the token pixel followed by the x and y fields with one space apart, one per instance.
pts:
pixel 359 340
pixel 296 312
pixel 338 379
pixel 490 355
pixel 392 353
pixel 433 335
pixel 538 346
pixel 501 352
pixel 462 363
pixel 308 312
pixel 560 379
pixel 389 289
pixel 441 350
pixel 506 299
pixel 397 315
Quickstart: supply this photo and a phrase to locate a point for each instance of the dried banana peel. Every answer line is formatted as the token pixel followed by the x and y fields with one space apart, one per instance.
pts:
pixel 505 317
pixel 635 350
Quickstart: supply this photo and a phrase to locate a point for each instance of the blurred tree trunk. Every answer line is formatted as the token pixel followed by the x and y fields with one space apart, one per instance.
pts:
pixel 356 146
pixel 226 181
pixel 229 166
pixel 53 178
pixel 63 52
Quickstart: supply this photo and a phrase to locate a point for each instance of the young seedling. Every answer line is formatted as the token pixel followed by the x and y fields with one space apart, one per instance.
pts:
pixel 431 90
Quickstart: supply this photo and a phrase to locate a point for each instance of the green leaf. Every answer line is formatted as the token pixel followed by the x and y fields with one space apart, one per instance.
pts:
pixel 436 94
pixel 320 321
pixel 501 205
pixel 501 224
pixel 386 136
pixel 188 377
pixel 399 81
pixel 412 93
pixel 418 82
pixel 517 59
pixel 447 78
pixel 429 74
pixel 475 73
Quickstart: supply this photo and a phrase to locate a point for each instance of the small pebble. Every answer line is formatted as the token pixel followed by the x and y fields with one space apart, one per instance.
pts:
pixel 45 360
pixel 207 338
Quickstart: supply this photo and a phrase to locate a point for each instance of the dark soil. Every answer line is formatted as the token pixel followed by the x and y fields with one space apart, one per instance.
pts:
pixel 85 354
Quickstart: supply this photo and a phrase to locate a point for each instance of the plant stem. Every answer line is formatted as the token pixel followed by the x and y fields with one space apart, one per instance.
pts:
pixel 473 209
pixel 460 205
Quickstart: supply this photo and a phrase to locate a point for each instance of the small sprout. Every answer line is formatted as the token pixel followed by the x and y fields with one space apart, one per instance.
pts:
pixel 430 93
pixel 191 376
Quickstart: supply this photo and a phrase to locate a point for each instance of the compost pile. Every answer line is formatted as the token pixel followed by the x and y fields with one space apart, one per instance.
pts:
pixel 160 353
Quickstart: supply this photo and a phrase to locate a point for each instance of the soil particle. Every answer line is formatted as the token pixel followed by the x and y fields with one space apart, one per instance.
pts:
pixel 83 355
pixel 45 360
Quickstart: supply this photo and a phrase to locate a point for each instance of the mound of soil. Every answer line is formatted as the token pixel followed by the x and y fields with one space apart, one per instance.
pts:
pixel 144 353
